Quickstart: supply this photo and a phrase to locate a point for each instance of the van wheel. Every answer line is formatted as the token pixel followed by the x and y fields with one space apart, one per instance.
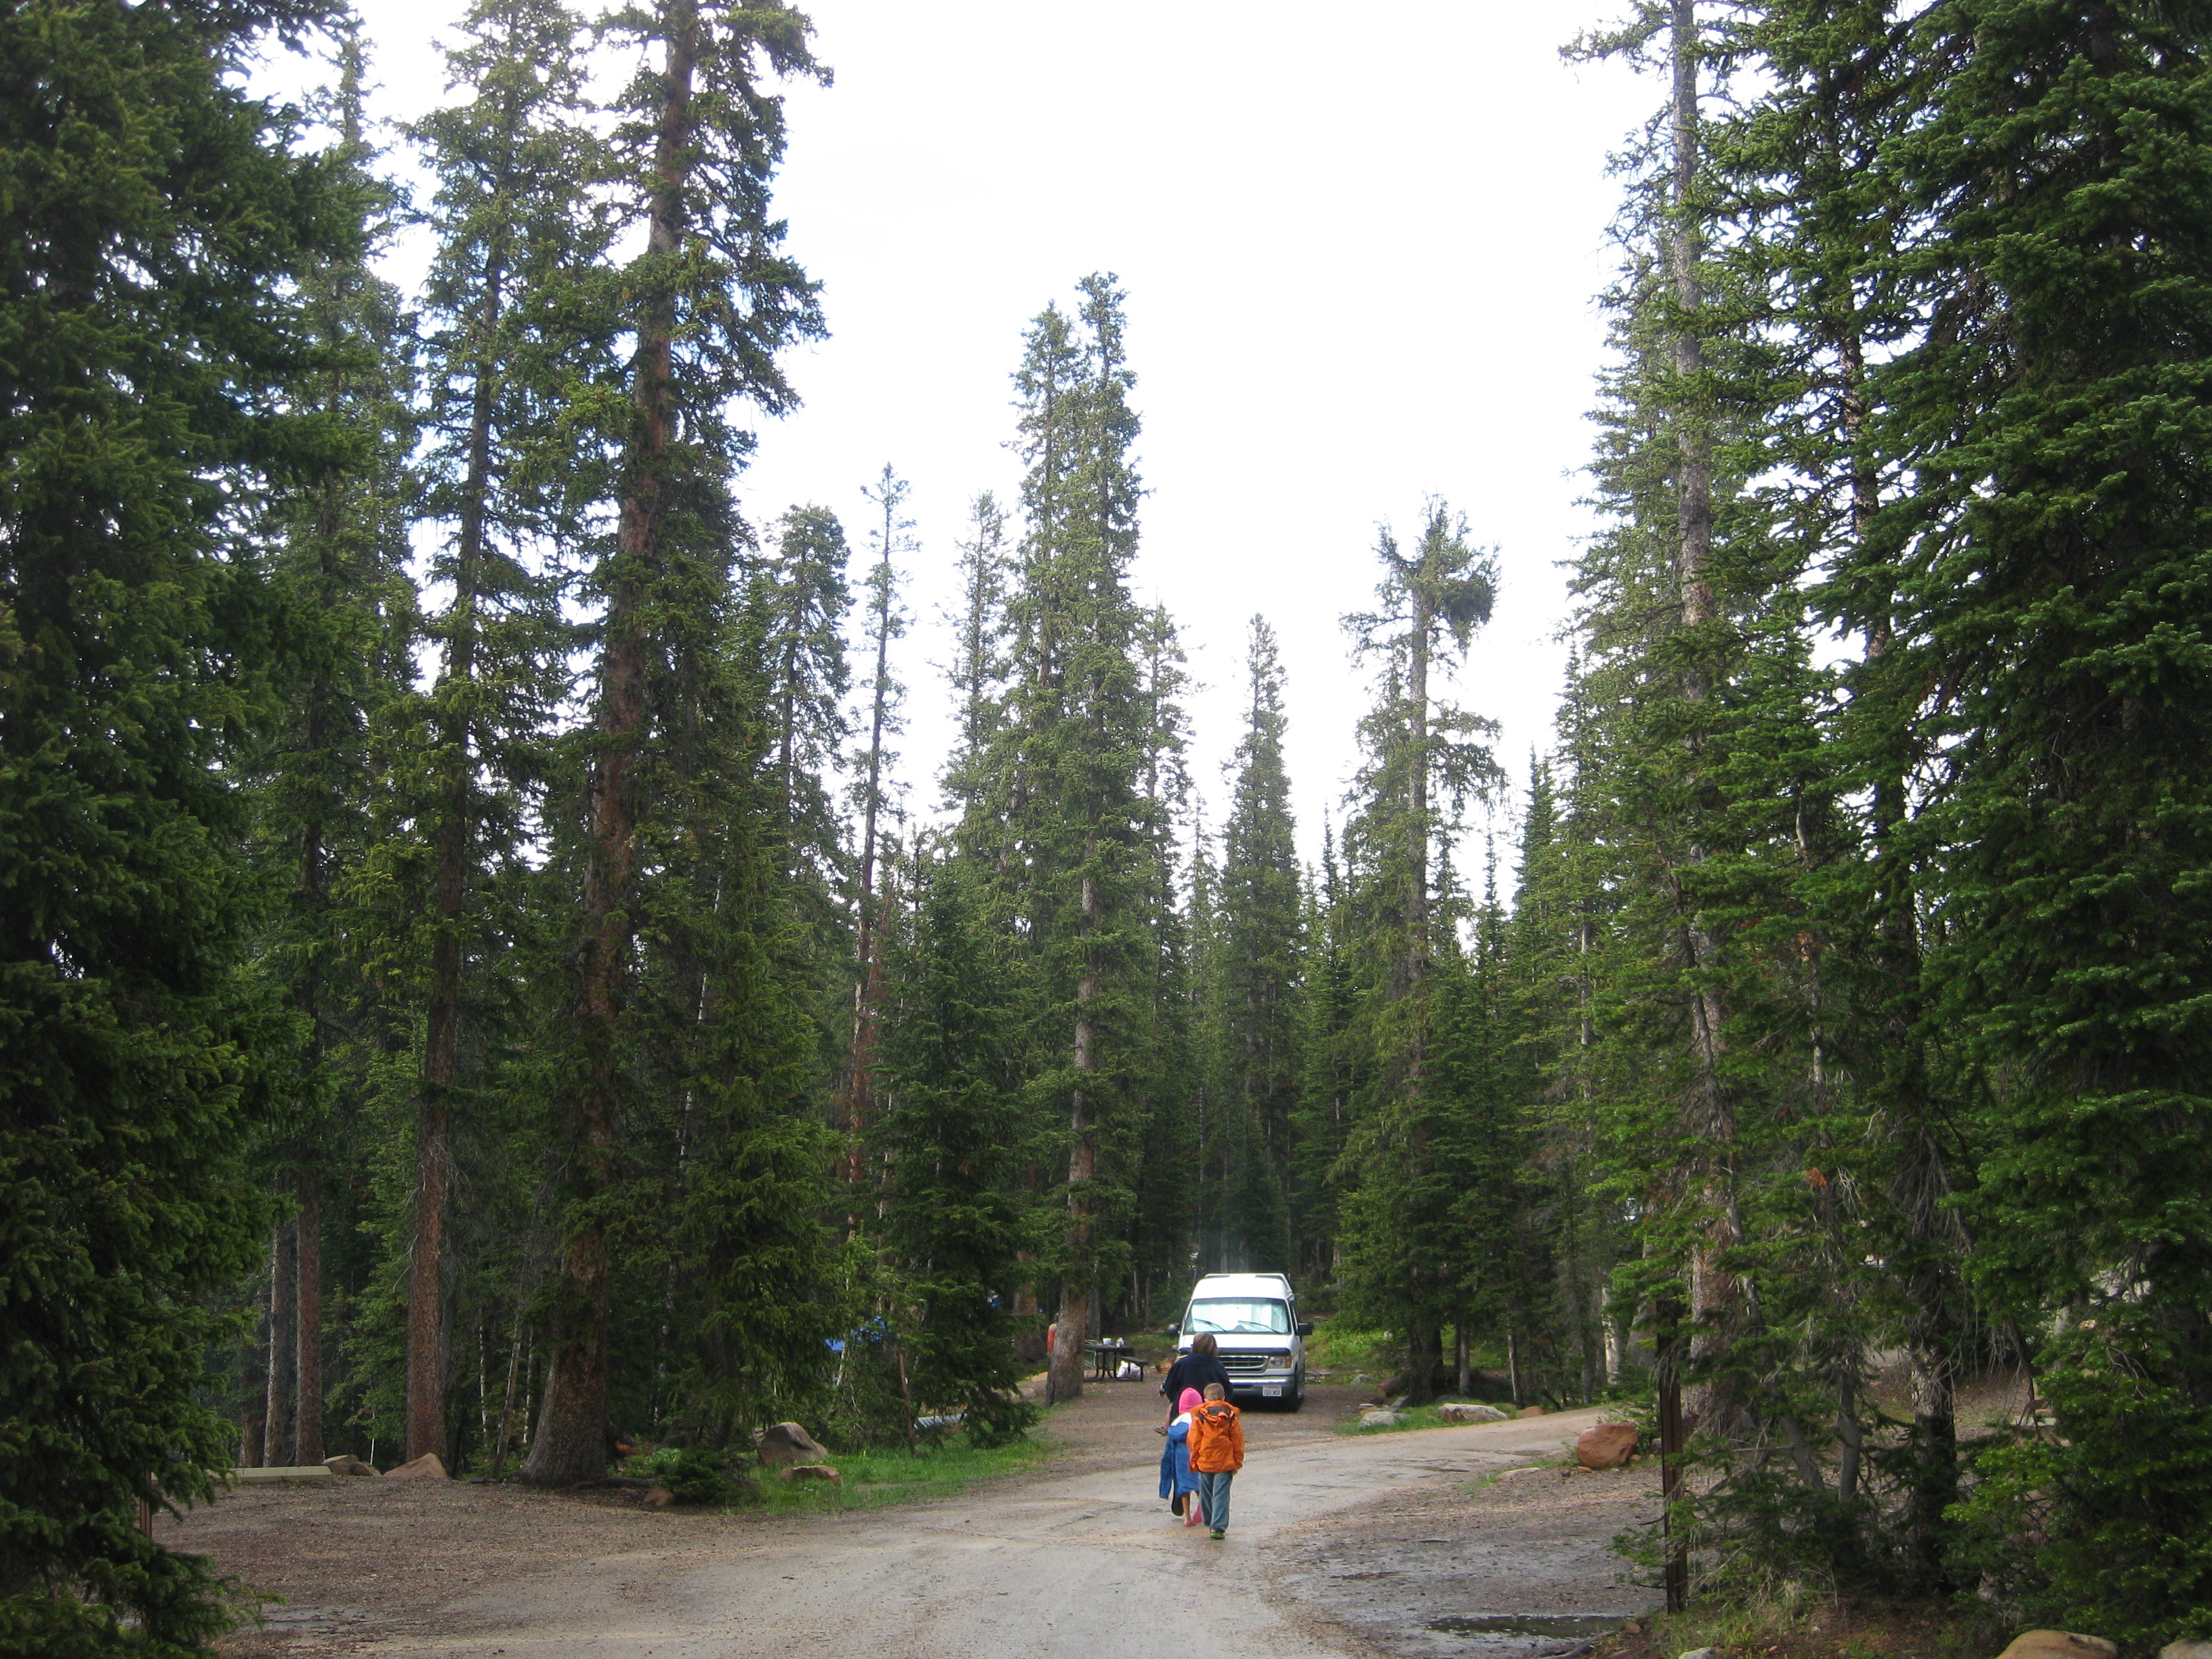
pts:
pixel 1296 1397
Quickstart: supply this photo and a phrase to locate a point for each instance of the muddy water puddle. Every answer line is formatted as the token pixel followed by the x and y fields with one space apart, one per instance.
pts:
pixel 1550 1634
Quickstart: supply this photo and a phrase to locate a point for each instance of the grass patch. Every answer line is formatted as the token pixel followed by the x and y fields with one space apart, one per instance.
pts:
pixel 877 1479
pixel 1343 1352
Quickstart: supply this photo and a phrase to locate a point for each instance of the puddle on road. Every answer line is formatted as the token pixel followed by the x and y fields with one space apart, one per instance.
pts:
pixel 1555 1626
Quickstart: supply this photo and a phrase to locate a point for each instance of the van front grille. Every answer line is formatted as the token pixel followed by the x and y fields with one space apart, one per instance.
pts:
pixel 1247 1364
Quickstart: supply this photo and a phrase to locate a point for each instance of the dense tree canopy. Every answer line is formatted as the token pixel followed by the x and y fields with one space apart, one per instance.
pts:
pixel 479 977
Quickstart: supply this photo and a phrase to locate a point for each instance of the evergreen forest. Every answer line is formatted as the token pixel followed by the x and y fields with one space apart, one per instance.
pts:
pixel 479 976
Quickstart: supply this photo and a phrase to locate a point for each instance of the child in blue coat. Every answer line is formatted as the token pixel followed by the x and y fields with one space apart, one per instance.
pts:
pixel 1178 1483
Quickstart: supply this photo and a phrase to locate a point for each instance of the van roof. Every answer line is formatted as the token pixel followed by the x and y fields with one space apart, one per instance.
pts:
pixel 1244 1285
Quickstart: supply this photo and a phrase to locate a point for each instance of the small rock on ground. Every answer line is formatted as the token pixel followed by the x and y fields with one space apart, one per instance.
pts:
pixel 1459 1411
pixel 2059 1644
pixel 1606 1446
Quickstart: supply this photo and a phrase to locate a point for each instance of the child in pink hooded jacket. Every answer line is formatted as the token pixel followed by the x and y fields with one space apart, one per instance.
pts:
pixel 1178 1483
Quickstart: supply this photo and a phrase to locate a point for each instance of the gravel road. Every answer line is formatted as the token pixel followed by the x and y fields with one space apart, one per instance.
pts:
pixel 1079 1559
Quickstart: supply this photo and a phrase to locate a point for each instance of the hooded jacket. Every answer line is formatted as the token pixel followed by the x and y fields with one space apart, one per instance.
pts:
pixel 1174 1460
pixel 1217 1438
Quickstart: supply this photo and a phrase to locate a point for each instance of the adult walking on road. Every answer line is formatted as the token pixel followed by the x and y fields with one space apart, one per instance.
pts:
pixel 1200 1366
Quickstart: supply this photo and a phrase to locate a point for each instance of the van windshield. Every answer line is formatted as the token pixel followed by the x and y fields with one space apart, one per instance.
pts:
pixel 1226 1317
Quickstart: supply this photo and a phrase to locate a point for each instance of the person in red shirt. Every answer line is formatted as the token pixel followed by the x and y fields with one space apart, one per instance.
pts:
pixel 1217 1452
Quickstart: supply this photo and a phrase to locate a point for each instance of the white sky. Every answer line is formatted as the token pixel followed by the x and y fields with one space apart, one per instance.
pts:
pixel 1360 244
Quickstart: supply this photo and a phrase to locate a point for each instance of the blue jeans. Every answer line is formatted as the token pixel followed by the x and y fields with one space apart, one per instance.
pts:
pixel 1213 1493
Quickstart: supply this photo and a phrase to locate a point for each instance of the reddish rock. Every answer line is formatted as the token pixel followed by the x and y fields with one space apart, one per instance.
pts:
pixel 1529 1410
pixel 347 1463
pixel 659 1497
pixel 425 1468
pixel 781 1445
pixel 814 1472
pixel 1606 1446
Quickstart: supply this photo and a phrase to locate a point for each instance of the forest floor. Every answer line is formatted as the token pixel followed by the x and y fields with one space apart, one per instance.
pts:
pixel 1338 1545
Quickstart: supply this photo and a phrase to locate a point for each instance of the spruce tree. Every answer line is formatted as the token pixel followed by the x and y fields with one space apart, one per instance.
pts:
pixel 872 788
pixel 712 299
pixel 2049 419
pixel 978 671
pixel 950 1141
pixel 1425 759
pixel 505 487
pixel 350 613
pixel 158 233
pixel 1061 790
pixel 1258 982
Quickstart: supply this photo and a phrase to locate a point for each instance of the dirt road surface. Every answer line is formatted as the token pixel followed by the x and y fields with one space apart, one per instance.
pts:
pixel 1338 1545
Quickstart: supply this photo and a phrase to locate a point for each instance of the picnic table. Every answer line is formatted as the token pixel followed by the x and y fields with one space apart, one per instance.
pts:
pixel 1106 1357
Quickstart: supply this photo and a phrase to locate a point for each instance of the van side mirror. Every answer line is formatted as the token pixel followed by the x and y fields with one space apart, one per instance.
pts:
pixel 1305 1327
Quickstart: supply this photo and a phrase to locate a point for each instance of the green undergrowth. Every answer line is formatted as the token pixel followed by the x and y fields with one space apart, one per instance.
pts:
pixel 1815 1625
pixel 1343 1352
pixel 873 1479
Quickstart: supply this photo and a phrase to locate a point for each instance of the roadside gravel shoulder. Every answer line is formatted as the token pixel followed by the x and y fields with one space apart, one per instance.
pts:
pixel 1472 1568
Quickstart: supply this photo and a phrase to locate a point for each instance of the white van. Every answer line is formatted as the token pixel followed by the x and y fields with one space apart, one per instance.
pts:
pixel 1254 1320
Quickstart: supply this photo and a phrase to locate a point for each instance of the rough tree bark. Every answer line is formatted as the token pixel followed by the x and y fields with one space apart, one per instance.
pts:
pixel 279 1418
pixel 307 1352
pixel 1066 1380
pixel 570 1444
pixel 1714 1293
pixel 426 1415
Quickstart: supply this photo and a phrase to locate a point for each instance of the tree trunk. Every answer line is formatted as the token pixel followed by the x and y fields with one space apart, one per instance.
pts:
pixel 253 1404
pixel 1423 1344
pixel 1674 1441
pixel 867 988
pixel 307 1363
pixel 1066 1382
pixel 279 1446
pixel 426 1313
pixel 1714 1293
pixel 570 1444
pixel 304 1425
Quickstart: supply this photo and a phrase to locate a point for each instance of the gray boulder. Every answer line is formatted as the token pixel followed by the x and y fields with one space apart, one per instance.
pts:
pixel 786 1445
pixel 347 1463
pixel 1468 1412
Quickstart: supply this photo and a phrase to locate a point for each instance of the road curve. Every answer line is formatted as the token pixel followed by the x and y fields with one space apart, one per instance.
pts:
pixel 1090 1567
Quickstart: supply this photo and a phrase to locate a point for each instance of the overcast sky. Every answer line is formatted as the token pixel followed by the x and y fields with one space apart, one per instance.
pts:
pixel 1360 244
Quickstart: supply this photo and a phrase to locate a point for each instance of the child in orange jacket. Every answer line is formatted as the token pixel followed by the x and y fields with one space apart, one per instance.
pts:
pixel 1217 1452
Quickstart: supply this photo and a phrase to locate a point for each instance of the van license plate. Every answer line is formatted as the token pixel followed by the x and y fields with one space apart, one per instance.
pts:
pixel 1271 1391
